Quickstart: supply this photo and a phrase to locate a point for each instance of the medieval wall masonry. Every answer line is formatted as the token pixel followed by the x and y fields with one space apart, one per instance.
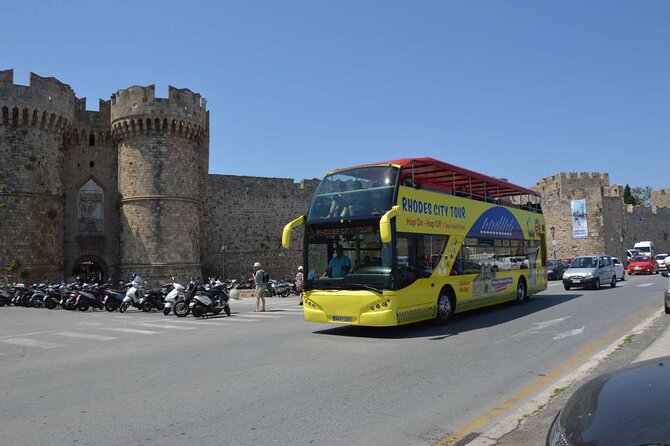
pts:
pixel 126 189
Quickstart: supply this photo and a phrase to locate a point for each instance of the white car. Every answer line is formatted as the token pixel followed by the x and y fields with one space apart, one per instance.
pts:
pixel 660 261
pixel 619 270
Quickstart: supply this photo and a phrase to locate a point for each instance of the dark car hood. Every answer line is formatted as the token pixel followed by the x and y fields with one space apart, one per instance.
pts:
pixel 630 406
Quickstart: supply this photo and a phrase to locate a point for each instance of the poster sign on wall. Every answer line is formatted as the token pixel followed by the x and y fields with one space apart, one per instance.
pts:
pixel 579 225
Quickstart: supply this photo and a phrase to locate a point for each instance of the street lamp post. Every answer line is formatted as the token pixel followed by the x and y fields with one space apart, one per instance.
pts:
pixel 553 241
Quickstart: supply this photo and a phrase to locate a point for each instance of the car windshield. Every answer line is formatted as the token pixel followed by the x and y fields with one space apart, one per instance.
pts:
pixel 661 256
pixel 643 259
pixel 554 263
pixel 585 262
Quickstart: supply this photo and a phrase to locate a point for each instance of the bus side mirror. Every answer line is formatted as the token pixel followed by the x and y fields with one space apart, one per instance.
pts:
pixel 385 224
pixel 286 233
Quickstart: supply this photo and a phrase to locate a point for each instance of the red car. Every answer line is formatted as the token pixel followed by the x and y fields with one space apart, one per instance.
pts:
pixel 642 265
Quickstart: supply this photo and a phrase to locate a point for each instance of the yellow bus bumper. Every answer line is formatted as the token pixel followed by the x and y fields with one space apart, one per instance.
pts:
pixel 350 308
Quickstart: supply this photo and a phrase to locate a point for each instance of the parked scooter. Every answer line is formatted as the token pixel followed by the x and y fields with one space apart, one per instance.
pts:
pixel 113 299
pixel 134 294
pixel 172 297
pixel 5 297
pixel 213 299
pixel 90 296
pixel 54 295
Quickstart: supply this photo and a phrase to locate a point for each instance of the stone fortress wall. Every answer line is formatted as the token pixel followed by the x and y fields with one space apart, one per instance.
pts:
pixel 127 189
pixel 612 226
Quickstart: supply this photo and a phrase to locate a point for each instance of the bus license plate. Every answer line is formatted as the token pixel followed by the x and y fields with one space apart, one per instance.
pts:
pixel 342 319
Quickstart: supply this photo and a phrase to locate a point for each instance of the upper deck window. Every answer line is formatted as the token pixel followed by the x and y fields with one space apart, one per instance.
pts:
pixel 357 193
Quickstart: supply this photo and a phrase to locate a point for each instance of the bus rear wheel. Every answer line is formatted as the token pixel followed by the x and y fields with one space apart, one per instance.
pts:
pixel 445 308
pixel 522 292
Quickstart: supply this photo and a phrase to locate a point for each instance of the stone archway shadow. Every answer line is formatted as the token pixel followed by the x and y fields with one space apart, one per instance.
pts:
pixel 90 266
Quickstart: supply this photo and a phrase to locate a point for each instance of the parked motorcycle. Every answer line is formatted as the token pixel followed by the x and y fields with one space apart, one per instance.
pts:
pixel 154 299
pixel 183 307
pixel 211 299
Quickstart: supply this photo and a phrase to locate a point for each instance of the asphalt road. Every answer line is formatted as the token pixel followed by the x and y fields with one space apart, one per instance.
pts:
pixel 269 378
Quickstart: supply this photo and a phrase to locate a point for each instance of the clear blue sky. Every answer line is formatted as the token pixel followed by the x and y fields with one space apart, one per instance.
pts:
pixel 515 89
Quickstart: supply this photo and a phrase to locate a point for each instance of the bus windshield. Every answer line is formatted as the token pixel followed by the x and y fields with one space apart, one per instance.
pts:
pixel 358 193
pixel 351 258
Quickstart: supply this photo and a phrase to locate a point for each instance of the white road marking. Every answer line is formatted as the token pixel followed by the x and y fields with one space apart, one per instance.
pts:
pixel 643 285
pixel 167 326
pixel 92 324
pixel 182 321
pixel 538 326
pixel 74 334
pixel 567 334
pixel 123 317
pixel 24 342
pixel 260 315
pixel 131 330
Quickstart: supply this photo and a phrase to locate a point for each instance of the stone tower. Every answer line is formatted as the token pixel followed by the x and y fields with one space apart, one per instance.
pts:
pixel 160 180
pixel 33 123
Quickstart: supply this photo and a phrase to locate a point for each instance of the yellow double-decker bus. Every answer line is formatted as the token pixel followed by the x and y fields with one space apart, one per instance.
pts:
pixel 408 240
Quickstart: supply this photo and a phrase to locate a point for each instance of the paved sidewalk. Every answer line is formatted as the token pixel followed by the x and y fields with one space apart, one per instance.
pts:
pixel 529 425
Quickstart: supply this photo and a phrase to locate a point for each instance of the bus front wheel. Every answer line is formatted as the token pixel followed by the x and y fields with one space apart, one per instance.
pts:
pixel 445 308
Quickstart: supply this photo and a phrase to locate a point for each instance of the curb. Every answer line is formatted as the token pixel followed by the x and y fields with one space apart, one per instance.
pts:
pixel 511 422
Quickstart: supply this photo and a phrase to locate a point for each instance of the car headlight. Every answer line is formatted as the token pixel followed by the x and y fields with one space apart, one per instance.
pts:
pixel 588 276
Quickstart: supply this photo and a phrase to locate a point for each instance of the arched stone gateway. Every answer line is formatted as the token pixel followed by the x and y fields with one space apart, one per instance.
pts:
pixel 90 268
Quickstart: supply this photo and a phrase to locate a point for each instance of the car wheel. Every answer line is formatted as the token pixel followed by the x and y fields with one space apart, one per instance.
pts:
pixel 613 282
pixel 667 308
pixel 566 286
pixel 596 284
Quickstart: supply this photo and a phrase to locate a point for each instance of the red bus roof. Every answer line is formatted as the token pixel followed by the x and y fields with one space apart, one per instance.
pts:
pixel 433 173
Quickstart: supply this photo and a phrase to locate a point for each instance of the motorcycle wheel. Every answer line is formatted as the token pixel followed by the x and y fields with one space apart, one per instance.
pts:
pixel 110 306
pixel 147 307
pixel 198 311
pixel 285 293
pixel 50 304
pixel 227 310
pixel 123 307
pixel 167 311
pixel 83 307
pixel 181 309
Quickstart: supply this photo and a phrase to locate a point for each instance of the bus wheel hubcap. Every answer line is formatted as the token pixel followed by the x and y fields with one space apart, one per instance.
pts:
pixel 445 306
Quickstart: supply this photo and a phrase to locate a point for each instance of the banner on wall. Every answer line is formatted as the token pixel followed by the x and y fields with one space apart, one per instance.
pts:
pixel 579 224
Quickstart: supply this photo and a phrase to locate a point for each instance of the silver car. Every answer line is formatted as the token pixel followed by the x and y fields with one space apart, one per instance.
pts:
pixel 590 272
pixel 619 270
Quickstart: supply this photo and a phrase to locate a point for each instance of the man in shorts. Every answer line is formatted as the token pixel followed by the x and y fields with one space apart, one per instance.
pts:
pixel 259 291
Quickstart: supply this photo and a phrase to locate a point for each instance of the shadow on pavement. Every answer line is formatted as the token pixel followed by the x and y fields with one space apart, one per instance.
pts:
pixel 460 323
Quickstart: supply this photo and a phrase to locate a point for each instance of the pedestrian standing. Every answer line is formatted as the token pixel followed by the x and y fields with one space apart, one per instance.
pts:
pixel 259 279
pixel 300 282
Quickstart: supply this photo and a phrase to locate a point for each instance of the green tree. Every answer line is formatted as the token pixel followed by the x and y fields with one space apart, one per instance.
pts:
pixel 642 195
pixel 627 196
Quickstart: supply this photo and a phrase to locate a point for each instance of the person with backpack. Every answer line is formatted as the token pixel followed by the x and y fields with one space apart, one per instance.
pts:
pixel 261 278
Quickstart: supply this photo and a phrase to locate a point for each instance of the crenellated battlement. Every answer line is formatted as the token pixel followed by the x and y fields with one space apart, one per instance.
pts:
pixel 140 101
pixel 44 96
pixel 136 111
